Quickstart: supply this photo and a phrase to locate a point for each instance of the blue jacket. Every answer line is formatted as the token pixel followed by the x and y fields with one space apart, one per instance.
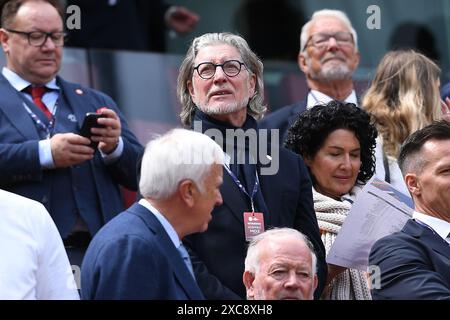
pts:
pixel 132 257
pixel 21 173
pixel 414 264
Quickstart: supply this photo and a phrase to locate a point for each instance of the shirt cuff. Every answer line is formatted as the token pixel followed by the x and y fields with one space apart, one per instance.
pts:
pixel 109 158
pixel 45 154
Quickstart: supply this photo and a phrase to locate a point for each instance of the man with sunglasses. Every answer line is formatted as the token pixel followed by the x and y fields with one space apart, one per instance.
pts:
pixel 328 57
pixel 43 155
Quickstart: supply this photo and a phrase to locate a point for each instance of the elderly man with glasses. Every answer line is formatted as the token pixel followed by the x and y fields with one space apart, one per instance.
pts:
pixel 328 57
pixel 44 157
pixel 220 87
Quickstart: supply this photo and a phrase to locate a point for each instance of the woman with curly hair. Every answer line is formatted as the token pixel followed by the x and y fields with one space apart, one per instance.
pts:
pixel 337 143
pixel 402 98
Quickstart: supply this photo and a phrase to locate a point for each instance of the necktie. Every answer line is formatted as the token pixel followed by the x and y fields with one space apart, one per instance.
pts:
pixel 187 261
pixel 37 93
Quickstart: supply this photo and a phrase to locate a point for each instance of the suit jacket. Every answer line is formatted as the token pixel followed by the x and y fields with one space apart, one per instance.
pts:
pixel 126 25
pixel 445 91
pixel 132 257
pixel 283 119
pixel 414 263
pixel 218 254
pixel 21 171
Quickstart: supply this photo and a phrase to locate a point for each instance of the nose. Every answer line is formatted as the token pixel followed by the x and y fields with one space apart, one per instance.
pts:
pixel 219 75
pixel 292 281
pixel 48 44
pixel 332 44
pixel 346 162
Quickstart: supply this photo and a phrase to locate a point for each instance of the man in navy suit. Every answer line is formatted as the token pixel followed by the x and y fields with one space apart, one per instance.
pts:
pixel 43 155
pixel 220 87
pixel 135 255
pixel 328 57
pixel 415 262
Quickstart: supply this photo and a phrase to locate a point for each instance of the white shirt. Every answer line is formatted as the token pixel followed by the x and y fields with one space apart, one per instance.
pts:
pixel 316 97
pixel 441 227
pixel 49 99
pixel 33 263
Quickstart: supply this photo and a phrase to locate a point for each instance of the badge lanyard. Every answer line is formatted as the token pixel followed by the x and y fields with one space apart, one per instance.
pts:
pixel 47 129
pixel 241 186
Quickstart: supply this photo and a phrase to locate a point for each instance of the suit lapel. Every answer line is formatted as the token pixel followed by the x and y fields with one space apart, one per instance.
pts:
pixel 232 197
pixel 271 190
pixel 12 106
pixel 428 236
pixel 299 108
pixel 181 272
pixel 76 97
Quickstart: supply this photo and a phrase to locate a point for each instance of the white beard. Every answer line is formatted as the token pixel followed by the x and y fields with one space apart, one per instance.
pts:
pixel 222 108
pixel 331 71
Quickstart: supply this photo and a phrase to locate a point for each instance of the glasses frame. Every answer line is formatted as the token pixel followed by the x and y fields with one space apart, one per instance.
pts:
pixel 220 65
pixel 47 35
pixel 333 35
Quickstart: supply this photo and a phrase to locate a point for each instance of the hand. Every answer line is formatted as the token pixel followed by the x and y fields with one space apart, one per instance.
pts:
pixel 70 149
pixel 445 107
pixel 181 19
pixel 108 137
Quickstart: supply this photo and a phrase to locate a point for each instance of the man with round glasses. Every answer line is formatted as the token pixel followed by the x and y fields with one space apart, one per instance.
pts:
pixel 44 157
pixel 220 87
pixel 328 57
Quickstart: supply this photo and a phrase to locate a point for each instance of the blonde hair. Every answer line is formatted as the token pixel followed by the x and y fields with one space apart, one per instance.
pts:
pixel 403 97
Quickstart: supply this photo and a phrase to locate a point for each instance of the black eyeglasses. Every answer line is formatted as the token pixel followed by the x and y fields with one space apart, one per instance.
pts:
pixel 320 40
pixel 207 70
pixel 38 38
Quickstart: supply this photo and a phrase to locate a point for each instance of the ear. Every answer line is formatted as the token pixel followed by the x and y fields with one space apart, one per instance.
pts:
pixel 301 60
pixel 251 85
pixel 413 184
pixel 4 37
pixel 186 191
pixel 357 58
pixel 316 282
pixel 190 87
pixel 248 279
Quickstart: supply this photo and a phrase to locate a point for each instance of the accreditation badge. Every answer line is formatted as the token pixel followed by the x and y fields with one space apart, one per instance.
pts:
pixel 253 224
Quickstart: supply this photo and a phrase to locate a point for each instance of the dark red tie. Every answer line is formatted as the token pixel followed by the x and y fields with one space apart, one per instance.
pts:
pixel 36 94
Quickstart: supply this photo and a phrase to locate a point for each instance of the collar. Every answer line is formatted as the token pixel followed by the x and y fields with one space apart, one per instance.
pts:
pixel 441 227
pixel 165 223
pixel 316 97
pixel 19 83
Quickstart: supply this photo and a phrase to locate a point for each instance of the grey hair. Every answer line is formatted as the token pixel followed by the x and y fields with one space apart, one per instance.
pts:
pixel 250 59
pixel 178 155
pixel 340 15
pixel 254 249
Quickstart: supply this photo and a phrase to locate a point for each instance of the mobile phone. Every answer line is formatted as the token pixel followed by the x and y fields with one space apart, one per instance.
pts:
pixel 90 121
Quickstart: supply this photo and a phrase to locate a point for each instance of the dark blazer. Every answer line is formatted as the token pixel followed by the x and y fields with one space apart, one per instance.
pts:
pixel 126 25
pixel 21 172
pixel 283 119
pixel 414 263
pixel 132 257
pixel 445 91
pixel 218 254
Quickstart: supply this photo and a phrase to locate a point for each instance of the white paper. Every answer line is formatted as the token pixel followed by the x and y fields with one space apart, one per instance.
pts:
pixel 378 211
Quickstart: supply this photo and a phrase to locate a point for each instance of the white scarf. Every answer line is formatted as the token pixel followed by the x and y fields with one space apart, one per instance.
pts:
pixel 350 284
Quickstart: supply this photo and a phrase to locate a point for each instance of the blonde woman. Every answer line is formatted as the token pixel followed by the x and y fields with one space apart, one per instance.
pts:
pixel 403 98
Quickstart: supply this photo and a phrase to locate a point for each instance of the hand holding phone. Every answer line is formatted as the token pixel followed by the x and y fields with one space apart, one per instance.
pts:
pixel 90 121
